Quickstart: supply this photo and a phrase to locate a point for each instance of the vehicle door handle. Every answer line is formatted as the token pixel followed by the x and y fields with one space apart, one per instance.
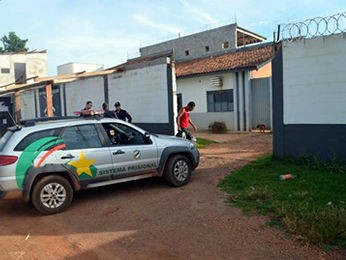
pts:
pixel 118 152
pixel 67 156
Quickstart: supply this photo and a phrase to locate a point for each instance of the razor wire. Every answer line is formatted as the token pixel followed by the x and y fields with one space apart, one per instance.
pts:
pixel 311 28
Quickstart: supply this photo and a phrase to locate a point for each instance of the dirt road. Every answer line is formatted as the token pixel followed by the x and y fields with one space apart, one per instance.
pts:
pixel 150 220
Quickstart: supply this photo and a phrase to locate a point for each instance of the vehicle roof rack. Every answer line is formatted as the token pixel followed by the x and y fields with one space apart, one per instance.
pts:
pixel 14 128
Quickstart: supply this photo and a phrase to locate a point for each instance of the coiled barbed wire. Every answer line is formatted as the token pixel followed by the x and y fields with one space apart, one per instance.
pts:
pixel 310 28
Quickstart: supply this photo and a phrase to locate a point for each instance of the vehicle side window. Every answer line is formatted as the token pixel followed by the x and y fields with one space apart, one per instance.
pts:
pixel 81 137
pixel 29 139
pixel 127 135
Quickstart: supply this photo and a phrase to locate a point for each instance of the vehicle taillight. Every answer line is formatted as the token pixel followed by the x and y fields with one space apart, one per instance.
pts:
pixel 7 159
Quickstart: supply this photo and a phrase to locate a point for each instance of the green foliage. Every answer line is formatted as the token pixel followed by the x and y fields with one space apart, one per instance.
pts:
pixel 201 142
pixel 311 205
pixel 218 127
pixel 313 162
pixel 12 43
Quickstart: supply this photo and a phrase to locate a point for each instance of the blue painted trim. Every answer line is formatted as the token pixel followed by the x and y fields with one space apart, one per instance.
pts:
pixel 277 101
pixel 325 142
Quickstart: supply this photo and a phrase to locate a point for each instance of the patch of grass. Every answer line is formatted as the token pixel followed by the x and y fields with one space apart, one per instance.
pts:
pixel 202 142
pixel 311 205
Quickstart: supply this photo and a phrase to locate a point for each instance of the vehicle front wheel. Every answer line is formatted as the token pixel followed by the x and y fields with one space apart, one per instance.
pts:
pixel 178 170
pixel 52 194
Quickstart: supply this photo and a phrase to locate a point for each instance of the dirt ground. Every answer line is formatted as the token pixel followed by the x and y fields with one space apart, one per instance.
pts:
pixel 149 220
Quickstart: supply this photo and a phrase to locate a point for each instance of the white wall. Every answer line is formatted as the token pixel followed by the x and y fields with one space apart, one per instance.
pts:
pixel 174 96
pixel 195 89
pixel 36 65
pixel 79 92
pixel 314 79
pixel 203 120
pixel 142 92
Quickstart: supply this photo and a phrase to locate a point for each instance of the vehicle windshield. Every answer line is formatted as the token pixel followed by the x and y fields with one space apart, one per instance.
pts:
pixel 4 139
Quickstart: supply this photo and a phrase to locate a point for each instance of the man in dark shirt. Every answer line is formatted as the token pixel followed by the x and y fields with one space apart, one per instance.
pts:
pixel 107 112
pixel 121 113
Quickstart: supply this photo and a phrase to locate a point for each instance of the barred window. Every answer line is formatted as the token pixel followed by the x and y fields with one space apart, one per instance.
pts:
pixel 220 101
pixel 5 70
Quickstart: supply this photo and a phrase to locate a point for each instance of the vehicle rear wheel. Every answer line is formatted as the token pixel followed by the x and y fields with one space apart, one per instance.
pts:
pixel 178 170
pixel 52 194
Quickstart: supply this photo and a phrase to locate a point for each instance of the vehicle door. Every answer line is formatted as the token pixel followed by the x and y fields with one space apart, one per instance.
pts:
pixel 133 154
pixel 85 153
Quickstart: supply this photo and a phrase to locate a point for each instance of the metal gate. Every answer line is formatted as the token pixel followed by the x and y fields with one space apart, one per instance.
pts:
pixel 261 102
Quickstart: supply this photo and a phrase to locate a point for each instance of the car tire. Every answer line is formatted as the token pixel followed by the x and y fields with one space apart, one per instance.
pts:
pixel 178 170
pixel 52 194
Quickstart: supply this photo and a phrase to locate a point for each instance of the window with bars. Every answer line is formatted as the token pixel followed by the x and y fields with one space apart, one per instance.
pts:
pixel 5 70
pixel 220 101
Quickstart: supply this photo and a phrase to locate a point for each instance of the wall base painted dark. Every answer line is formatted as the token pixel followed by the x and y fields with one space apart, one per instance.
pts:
pixel 165 129
pixel 323 141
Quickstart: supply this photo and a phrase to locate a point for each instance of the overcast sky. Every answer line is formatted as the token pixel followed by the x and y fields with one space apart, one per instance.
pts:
pixel 109 32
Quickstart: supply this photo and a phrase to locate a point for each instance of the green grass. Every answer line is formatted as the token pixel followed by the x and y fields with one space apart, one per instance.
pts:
pixel 312 205
pixel 201 142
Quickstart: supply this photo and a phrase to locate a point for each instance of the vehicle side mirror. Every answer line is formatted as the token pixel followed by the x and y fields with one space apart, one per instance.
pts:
pixel 147 138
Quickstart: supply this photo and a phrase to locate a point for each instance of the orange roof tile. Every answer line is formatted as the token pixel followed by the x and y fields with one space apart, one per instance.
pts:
pixel 248 58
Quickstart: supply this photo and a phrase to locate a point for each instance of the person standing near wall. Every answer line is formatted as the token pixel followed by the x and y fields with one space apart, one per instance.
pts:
pixel 87 110
pixel 121 113
pixel 106 112
pixel 184 120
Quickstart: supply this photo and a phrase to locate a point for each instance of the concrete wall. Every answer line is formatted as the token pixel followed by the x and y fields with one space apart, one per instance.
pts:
pixel 142 92
pixel 314 81
pixel 196 43
pixel 36 65
pixel 146 90
pixel 203 120
pixel 263 72
pixel 309 98
pixel 78 92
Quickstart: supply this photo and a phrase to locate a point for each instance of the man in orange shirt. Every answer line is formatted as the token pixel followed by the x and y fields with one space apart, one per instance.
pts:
pixel 184 120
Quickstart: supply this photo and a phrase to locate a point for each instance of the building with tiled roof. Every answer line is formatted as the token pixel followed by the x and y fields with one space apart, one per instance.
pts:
pixel 232 87
pixel 226 71
pixel 218 69
pixel 251 58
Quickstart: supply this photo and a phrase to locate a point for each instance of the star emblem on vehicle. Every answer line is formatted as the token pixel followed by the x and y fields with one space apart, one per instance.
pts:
pixel 83 165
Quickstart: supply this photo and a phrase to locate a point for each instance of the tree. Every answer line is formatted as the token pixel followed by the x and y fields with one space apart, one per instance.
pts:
pixel 12 43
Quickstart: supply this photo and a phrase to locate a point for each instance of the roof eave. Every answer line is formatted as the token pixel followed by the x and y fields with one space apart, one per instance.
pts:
pixel 253 67
pixel 22 87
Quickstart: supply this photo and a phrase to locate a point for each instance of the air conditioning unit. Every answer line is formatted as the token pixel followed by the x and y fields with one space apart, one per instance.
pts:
pixel 216 81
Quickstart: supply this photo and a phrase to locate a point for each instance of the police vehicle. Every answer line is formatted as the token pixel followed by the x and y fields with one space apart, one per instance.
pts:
pixel 46 161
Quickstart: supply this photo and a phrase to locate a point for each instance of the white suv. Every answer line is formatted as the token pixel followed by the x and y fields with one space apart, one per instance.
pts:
pixel 47 161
